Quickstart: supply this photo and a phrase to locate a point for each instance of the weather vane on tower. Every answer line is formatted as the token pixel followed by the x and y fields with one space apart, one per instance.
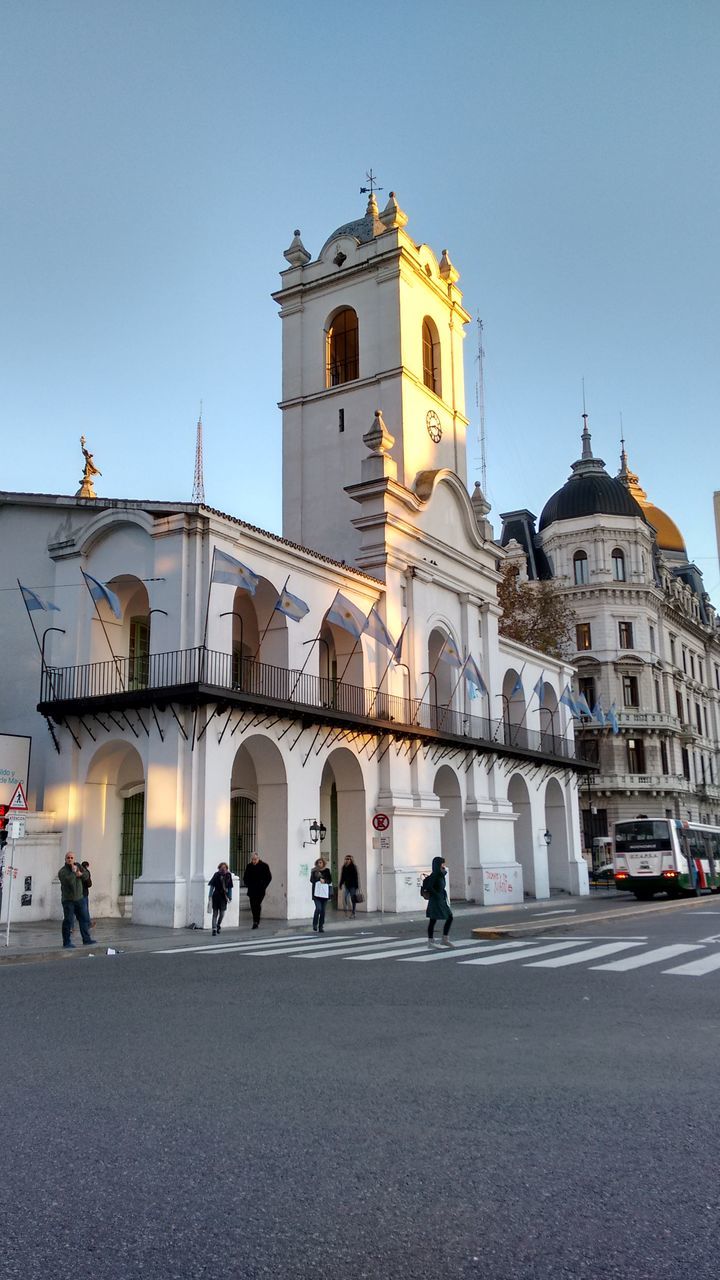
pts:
pixel 373 187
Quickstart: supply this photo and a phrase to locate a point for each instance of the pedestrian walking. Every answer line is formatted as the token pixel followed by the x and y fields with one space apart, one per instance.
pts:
pixel 438 907
pixel 256 880
pixel 221 887
pixel 349 883
pixel 71 876
pixel 321 886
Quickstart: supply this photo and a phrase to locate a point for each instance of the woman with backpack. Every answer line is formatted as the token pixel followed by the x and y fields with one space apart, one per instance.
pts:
pixel 438 907
pixel 349 883
pixel 321 886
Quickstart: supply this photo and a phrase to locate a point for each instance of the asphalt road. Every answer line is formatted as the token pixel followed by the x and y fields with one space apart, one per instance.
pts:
pixel 220 1114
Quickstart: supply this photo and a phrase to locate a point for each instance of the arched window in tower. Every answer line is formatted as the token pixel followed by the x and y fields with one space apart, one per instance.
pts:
pixel 580 569
pixel 431 357
pixel 342 349
pixel 618 565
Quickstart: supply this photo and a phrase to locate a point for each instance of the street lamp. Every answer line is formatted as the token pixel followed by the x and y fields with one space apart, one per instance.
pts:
pixel 318 831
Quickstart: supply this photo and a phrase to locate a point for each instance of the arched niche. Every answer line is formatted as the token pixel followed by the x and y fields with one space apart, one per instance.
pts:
pixel 452 835
pixel 113 825
pixel 523 831
pixel 343 811
pixel 259 816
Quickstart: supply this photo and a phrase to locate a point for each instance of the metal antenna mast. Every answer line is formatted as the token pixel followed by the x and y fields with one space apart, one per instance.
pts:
pixel 480 403
pixel 198 493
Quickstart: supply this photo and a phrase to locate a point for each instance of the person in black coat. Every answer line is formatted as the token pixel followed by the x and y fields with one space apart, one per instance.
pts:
pixel 256 880
pixel 319 876
pixel 438 907
pixel 349 883
pixel 221 887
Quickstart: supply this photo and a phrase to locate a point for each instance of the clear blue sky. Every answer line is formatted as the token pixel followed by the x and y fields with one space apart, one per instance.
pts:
pixel 157 155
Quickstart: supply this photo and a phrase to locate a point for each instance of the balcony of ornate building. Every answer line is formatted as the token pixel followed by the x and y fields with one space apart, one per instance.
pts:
pixel 641 784
pixel 202 677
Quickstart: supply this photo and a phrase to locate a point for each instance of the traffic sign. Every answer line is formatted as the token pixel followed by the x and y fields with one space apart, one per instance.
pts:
pixel 381 822
pixel 18 801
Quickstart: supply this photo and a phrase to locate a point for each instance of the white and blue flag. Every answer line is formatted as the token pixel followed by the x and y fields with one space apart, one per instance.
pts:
pixel 33 601
pixel 292 606
pixel 233 573
pixel 100 593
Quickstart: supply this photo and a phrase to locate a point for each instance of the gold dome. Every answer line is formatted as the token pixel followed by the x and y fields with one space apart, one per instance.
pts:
pixel 667 534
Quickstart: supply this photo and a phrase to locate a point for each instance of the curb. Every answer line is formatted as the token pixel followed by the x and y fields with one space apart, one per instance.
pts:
pixel 583 921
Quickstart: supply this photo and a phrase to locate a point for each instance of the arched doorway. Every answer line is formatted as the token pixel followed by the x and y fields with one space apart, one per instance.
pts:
pixel 550 732
pixel 258 817
pixel 452 841
pixel 514 709
pixel 524 851
pixel 113 826
pixel 343 811
pixel 442 669
pixel 556 826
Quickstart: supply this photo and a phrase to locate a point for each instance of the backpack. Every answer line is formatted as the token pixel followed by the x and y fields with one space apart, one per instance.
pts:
pixel 426 887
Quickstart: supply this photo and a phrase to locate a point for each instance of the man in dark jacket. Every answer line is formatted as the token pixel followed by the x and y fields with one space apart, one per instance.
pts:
pixel 71 877
pixel 256 880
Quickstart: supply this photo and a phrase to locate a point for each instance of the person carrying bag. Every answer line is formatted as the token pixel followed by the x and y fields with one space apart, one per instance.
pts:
pixel 321 886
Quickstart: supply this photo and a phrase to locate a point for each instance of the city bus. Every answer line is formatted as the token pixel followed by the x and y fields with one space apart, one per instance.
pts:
pixel 666 855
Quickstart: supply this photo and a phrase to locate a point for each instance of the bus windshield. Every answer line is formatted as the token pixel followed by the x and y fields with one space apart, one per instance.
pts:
pixel 642 836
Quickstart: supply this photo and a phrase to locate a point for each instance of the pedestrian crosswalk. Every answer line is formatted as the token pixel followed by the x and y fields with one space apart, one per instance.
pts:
pixel 630 953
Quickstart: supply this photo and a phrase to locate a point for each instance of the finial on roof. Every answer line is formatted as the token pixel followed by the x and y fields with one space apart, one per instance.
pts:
pixel 86 489
pixel 587 452
pixel 392 215
pixel 447 270
pixel 378 438
pixel 296 253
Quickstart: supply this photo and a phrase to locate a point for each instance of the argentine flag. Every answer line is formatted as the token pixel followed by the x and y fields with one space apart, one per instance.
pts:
pixel 292 606
pixel 233 573
pixel 100 592
pixel 343 613
pixel 33 601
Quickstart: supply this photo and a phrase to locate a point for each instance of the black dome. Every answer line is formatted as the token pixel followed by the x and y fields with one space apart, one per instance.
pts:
pixel 589 494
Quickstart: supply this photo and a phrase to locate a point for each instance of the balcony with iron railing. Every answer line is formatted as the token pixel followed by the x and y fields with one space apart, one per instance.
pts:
pixel 194 677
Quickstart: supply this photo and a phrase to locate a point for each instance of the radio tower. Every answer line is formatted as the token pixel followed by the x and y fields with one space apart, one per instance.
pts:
pixel 198 493
pixel 480 403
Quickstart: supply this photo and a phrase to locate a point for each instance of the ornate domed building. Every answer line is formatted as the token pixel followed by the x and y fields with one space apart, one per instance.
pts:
pixel 647 645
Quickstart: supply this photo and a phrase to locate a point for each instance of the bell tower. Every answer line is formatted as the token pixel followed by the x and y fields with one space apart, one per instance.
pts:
pixel 374 322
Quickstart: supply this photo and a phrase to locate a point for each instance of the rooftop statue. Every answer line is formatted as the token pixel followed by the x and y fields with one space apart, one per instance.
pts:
pixel 86 489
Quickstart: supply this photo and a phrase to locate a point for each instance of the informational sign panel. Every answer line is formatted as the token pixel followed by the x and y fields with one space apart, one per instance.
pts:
pixel 14 765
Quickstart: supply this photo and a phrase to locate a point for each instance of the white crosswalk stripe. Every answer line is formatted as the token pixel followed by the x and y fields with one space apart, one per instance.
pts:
pixel 524 953
pixel 529 953
pixel 591 953
pixel 647 957
pixel 697 968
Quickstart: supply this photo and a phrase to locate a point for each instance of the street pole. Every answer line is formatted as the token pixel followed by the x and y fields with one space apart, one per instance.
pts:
pixel 9 891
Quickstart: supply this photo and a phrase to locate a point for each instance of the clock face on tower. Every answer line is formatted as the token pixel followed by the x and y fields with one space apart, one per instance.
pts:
pixel 434 429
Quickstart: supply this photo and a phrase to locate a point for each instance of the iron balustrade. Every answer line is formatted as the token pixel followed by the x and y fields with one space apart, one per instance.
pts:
pixel 209 669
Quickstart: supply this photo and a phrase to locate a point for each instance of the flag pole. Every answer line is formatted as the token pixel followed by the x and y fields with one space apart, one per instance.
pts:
pixel 207 608
pixel 446 706
pixel 115 658
pixel 32 624
pixel 398 648
pixel 432 673
pixel 312 644
pixel 267 626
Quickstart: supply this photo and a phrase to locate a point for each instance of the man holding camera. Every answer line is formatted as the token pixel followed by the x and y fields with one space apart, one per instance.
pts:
pixel 71 877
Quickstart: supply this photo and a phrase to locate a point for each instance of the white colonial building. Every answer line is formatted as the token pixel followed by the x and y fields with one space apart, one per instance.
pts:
pixel 198 720
pixel 647 641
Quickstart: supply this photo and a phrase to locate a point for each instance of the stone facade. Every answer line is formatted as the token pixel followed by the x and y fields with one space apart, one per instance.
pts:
pixel 647 643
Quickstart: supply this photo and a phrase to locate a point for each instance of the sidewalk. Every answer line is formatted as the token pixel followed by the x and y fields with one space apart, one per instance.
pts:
pixel 31 943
